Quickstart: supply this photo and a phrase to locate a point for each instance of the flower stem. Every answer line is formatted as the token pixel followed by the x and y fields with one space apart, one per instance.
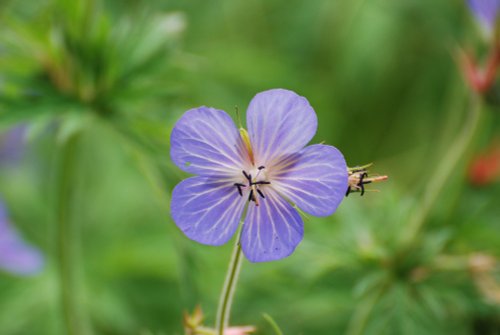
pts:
pixel 273 324
pixel 66 241
pixel 226 298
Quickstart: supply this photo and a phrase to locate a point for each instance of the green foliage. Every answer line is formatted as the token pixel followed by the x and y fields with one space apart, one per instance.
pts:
pixel 117 74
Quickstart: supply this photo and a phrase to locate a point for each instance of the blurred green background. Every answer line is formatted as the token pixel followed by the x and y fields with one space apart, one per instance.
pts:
pixel 99 85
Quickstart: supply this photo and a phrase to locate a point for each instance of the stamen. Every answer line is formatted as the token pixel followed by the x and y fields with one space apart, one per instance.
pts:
pixel 358 178
pixel 260 168
pixel 254 193
pixel 247 176
pixel 239 186
pixel 361 184
pixel 261 183
pixel 253 185
pixel 261 194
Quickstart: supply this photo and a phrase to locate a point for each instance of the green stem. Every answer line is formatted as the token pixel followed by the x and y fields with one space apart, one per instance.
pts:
pixel 226 298
pixel 66 241
pixel 446 168
pixel 273 324
pixel 205 331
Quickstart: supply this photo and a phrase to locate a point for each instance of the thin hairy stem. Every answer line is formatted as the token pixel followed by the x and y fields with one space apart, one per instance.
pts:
pixel 226 298
pixel 273 324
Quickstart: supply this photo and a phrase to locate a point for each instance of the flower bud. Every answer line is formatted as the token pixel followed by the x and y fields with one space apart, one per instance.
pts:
pixel 359 177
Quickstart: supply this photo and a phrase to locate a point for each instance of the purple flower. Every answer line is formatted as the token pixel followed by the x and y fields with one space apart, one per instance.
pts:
pixel 16 256
pixel 12 145
pixel 265 170
pixel 486 11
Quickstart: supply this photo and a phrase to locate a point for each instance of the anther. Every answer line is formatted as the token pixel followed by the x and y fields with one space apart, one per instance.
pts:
pixel 250 196
pixel 247 176
pixel 239 186
pixel 261 183
pixel 361 184
pixel 261 194
pixel 253 185
pixel 358 178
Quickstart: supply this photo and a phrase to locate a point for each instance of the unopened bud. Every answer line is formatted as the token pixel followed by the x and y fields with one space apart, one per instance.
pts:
pixel 193 321
pixel 481 78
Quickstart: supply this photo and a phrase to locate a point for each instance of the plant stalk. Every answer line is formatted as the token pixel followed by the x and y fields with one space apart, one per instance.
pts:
pixel 67 241
pixel 226 298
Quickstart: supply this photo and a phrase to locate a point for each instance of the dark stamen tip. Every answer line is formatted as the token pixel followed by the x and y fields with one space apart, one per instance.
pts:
pixel 239 186
pixel 261 194
pixel 348 191
pixel 261 167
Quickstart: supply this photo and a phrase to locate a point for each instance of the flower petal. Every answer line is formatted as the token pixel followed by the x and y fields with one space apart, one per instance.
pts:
pixel 12 145
pixel 271 230
pixel 205 141
pixel 279 122
pixel 315 179
pixel 16 256
pixel 207 210
pixel 486 11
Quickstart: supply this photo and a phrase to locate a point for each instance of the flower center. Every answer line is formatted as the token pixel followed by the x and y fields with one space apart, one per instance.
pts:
pixel 252 184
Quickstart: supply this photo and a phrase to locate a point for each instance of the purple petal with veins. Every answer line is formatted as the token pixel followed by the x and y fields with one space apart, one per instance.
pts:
pixel 272 230
pixel 267 172
pixel 207 210
pixel 315 179
pixel 205 141
pixel 280 123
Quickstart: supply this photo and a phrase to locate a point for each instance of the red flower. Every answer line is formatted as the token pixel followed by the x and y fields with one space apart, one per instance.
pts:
pixel 485 167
